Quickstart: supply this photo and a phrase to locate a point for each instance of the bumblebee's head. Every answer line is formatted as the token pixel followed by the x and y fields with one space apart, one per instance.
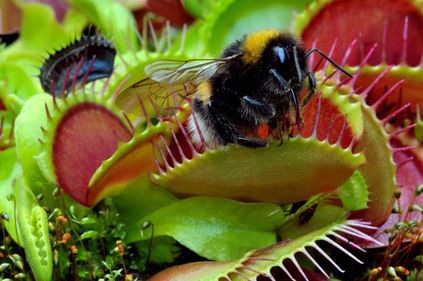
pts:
pixel 277 53
pixel 281 60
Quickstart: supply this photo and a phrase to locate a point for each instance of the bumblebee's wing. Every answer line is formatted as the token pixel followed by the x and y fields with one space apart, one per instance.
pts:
pixel 176 72
pixel 168 78
pixel 153 96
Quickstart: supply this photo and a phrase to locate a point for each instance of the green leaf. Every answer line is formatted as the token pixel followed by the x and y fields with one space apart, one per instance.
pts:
pixel 136 201
pixel 139 199
pixel 354 193
pixel 33 225
pixel 17 82
pixel 10 169
pixel 216 228
pixel 89 234
pixel 27 135
pixel 88 221
pixel 163 249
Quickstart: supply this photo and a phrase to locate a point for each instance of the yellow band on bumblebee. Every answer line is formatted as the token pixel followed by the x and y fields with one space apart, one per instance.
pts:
pixel 255 43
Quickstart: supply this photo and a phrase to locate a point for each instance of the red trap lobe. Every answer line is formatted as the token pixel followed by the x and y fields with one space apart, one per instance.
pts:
pixel 394 25
pixel 87 135
pixel 323 119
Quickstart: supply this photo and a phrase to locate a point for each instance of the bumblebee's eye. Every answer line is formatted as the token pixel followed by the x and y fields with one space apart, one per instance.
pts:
pixel 280 53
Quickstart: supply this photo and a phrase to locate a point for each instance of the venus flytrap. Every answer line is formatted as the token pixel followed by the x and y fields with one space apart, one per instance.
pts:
pixel 93 119
pixel 85 145
pixel 386 62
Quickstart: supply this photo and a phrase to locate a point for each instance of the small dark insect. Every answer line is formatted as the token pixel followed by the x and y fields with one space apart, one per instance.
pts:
pixel 4 216
pixel 40 197
pixel 307 215
pixel 251 91
pixel 87 59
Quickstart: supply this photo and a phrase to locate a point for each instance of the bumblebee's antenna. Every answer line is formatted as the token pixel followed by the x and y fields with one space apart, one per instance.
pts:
pixel 328 59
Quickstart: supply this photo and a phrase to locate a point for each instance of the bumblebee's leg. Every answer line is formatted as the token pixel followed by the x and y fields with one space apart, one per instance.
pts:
pixel 251 142
pixel 280 130
pixel 255 109
pixel 227 133
pixel 311 88
pixel 279 78
pixel 287 89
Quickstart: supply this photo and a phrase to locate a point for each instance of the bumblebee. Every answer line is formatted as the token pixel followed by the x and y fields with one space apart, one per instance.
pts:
pixel 253 89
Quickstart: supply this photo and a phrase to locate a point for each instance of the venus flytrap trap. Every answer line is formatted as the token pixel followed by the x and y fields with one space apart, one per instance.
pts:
pixel 93 118
pixel 87 59
pixel 82 115
pixel 397 35
pixel 389 87
pixel 183 164
pixel 89 112
pixel 391 94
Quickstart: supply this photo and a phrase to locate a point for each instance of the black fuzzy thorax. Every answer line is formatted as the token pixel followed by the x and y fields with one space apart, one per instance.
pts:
pixel 90 45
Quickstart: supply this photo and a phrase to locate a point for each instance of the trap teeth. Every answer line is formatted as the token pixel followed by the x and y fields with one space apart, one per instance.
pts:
pixel 87 59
